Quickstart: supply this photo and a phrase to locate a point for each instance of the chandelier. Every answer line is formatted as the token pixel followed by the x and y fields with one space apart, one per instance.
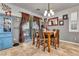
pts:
pixel 49 12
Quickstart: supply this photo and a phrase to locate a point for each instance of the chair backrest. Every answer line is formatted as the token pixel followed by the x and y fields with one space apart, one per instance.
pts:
pixel 56 33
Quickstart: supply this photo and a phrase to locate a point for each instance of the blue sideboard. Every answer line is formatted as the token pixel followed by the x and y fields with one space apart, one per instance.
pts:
pixel 5 37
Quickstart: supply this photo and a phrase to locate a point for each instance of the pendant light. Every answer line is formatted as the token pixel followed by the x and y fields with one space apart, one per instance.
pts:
pixel 49 12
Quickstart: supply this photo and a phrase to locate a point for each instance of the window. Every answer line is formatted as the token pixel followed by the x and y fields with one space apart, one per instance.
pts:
pixel 73 23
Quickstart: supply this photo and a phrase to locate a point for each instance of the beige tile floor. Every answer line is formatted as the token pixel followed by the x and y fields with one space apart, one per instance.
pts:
pixel 26 49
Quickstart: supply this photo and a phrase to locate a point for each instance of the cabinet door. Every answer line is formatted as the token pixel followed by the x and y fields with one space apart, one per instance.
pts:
pixel 0 44
pixel 7 43
pixel 5 35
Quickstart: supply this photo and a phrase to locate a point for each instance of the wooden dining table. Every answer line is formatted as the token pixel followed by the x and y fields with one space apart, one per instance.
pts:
pixel 47 40
pixel 48 33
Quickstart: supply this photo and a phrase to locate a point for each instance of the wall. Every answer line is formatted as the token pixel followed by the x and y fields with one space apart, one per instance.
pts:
pixel 64 30
pixel 16 11
pixel 15 24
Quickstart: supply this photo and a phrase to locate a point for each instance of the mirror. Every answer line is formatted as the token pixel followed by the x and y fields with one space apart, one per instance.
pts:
pixel 61 22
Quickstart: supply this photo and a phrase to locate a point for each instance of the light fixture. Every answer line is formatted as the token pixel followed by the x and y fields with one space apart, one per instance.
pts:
pixel 49 12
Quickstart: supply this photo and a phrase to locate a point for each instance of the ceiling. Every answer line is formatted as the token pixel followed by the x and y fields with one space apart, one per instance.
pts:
pixel 42 6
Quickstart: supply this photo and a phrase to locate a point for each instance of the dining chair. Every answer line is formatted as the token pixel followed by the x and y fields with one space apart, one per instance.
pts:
pixel 56 38
pixel 38 39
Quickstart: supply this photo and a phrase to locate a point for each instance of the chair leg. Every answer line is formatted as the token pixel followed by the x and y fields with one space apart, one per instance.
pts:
pixel 55 43
pixel 44 42
pixel 38 42
pixel 52 41
pixel 33 40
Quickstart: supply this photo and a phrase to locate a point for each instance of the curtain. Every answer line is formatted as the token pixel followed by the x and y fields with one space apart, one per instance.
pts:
pixel 37 19
pixel 25 18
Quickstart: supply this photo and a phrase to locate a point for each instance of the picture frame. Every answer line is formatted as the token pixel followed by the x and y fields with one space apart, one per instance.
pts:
pixel 65 17
pixel 53 21
pixel 7 25
pixel 61 22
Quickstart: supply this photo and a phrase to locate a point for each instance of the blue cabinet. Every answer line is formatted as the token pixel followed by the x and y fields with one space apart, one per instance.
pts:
pixel 5 36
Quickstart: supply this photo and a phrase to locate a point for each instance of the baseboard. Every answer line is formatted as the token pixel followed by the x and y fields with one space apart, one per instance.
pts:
pixel 69 42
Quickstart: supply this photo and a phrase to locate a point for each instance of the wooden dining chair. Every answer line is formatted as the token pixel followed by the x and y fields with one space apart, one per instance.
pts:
pixel 33 37
pixel 56 38
pixel 38 39
pixel 52 39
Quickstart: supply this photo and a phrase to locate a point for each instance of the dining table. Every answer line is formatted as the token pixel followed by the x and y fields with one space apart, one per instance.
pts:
pixel 47 40
pixel 48 33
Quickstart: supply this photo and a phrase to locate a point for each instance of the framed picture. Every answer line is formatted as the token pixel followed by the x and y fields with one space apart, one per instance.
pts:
pixel 65 17
pixel 7 25
pixel 61 22
pixel 53 21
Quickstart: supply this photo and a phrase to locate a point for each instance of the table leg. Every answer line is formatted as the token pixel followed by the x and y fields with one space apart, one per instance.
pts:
pixel 48 42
